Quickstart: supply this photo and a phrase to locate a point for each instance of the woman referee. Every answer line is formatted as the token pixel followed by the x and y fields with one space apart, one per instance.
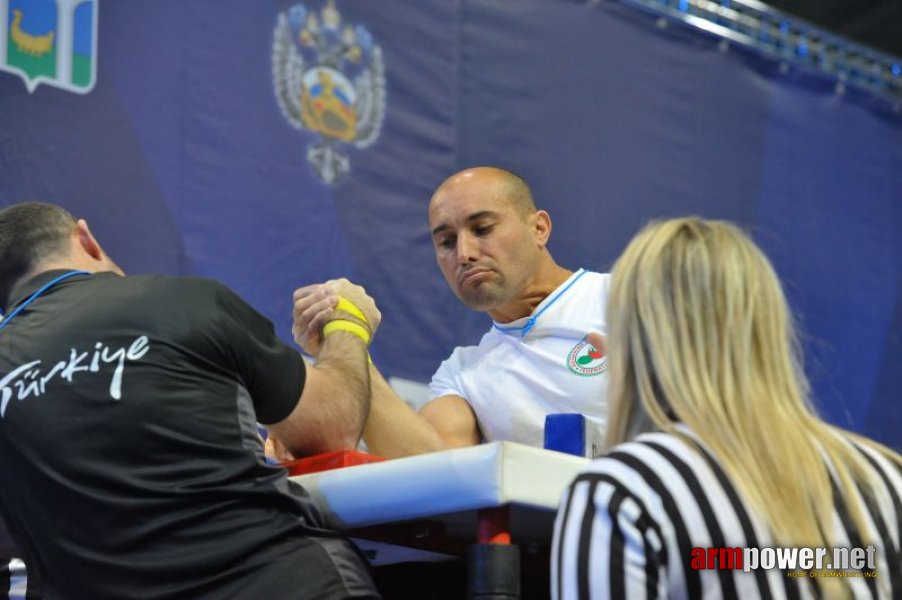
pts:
pixel 735 469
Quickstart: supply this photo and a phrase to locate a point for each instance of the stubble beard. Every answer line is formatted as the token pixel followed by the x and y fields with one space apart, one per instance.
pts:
pixel 484 296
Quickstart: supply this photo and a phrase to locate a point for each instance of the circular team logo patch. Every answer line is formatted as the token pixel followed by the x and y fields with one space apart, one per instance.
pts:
pixel 585 360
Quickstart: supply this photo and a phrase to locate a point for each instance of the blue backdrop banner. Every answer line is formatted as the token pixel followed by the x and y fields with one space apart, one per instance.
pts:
pixel 275 144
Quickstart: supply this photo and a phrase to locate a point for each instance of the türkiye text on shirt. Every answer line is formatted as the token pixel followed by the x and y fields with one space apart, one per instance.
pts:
pixel 30 380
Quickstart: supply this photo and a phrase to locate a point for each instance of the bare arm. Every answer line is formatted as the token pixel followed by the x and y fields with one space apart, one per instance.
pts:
pixel 335 401
pixel 393 429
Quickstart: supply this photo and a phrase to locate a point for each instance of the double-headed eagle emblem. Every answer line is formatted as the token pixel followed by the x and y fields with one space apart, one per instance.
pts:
pixel 329 79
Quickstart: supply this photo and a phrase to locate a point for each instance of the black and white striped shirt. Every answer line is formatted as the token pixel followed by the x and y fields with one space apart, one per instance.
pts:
pixel 627 526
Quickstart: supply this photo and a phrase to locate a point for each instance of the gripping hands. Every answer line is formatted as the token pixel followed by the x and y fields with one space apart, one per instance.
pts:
pixel 338 301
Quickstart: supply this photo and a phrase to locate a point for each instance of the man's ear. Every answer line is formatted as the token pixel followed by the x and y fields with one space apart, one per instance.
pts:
pixel 542 227
pixel 86 240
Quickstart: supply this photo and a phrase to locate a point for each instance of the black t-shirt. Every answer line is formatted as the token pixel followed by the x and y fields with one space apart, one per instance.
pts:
pixel 130 466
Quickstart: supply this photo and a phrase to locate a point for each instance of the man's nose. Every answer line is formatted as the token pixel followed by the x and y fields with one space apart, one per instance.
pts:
pixel 467 249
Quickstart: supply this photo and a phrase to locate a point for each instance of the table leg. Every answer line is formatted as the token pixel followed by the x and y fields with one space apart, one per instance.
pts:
pixel 493 564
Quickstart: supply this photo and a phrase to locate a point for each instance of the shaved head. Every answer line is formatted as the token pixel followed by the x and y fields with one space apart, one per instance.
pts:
pixel 508 184
pixel 490 241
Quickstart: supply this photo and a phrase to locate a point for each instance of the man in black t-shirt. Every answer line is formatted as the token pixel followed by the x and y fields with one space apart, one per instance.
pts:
pixel 130 464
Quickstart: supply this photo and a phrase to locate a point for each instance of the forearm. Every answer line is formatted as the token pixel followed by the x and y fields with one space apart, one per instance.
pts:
pixel 333 321
pixel 344 360
pixel 335 402
pixel 393 429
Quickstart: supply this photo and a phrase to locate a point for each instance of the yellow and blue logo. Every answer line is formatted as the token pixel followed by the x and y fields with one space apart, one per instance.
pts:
pixel 50 41
pixel 329 79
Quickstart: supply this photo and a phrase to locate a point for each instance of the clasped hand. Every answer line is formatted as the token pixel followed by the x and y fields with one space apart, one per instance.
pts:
pixel 315 305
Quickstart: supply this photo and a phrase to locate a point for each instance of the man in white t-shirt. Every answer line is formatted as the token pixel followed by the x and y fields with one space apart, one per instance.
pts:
pixel 491 245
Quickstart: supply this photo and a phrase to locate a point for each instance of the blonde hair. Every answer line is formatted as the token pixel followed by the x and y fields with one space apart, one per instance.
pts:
pixel 701 333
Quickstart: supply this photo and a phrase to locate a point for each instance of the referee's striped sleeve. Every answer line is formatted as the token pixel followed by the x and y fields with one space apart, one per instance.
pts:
pixel 605 544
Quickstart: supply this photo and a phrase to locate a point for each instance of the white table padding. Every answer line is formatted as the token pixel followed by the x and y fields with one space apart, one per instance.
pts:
pixel 443 482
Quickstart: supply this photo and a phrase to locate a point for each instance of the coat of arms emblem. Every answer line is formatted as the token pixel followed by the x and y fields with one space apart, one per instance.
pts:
pixel 50 41
pixel 329 80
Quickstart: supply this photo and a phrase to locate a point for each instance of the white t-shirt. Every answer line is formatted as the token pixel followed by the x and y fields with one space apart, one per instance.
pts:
pixel 519 373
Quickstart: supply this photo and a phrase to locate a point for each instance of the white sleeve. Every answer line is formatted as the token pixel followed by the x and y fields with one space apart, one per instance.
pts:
pixel 446 381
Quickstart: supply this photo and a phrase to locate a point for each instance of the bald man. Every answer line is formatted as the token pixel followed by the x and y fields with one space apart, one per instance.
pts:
pixel 490 242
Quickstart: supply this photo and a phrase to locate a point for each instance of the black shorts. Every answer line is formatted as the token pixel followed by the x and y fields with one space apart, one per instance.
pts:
pixel 348 577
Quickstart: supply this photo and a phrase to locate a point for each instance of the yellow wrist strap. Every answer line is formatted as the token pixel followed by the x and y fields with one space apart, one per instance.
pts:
pixel 349 326
pixel 349 307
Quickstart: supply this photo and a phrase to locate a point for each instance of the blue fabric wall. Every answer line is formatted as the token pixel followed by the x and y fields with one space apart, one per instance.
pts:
pixel 182 161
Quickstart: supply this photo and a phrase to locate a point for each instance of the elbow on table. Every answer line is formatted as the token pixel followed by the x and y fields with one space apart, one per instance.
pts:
pixel 324 441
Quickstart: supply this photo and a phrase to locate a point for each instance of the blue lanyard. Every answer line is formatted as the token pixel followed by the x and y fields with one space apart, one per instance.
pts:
pixel 531 321
pixel 34 296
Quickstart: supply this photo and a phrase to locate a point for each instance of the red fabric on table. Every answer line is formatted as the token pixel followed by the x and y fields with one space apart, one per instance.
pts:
pixel 328 461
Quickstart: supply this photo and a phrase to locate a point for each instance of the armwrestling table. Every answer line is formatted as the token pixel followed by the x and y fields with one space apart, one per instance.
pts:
pixel 483 502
